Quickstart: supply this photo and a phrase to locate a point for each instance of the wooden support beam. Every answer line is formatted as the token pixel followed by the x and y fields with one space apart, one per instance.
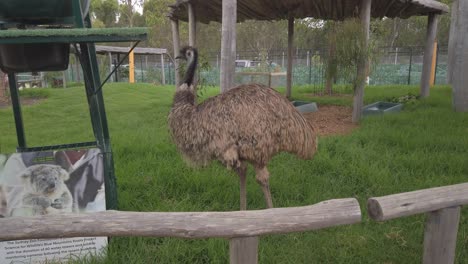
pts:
pixel 228 44
pixel 358 100
pixel 131 67
pixel 428 53
pixel 440 236
pixel 176 45
pixel 459 59
pixel 416 202
pixel 192 25
pixel 290 55
pixel 433 65
pixel 184 224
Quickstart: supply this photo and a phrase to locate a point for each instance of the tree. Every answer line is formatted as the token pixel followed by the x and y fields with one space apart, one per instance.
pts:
pixel 105 11
pixel 128 12
pixel 261 36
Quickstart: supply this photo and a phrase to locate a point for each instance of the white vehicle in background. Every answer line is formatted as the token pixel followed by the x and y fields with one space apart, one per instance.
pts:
pixel 253 64
pixel 243 63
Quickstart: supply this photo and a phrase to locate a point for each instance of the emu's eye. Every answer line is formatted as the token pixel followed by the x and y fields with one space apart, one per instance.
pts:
pixel 43 179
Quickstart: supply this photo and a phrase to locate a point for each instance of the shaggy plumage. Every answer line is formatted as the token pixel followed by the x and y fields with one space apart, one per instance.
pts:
pixel 247 124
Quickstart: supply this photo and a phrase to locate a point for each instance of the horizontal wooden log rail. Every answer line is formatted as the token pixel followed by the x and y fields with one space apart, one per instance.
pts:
pixel 184 224
pixel 421 201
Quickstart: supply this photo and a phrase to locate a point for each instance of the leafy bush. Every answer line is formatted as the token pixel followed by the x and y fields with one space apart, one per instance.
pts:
pixel 408 98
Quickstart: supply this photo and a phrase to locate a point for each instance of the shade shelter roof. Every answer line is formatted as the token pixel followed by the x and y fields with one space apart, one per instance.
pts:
pixel 211 10
pixel 231 11
pixel 123 50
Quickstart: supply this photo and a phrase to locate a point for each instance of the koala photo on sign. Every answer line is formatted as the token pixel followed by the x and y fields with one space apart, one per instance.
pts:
pixel 45 183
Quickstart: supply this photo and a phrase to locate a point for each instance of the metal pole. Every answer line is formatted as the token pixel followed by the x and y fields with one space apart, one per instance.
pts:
pixel 310 70
pixel 163 69
pixel 117 71
pixel 110 64
pixel 410 63
pixel 141 70
pixel 282 61
pixel 17 111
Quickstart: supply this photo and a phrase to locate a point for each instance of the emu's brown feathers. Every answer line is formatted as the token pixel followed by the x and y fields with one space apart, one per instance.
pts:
pixel 253 120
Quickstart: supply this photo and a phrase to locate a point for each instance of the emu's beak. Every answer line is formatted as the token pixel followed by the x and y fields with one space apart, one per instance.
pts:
pixel 178 57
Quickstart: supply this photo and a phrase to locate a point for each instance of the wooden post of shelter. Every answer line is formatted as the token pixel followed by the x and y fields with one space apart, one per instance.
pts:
pixel 228 44
pixel 290 55
pixel 163 73
pixel 459 60
pixel 451 42
pixel 358 100
pixel 176 45
pixel 428 54
pixel 192 25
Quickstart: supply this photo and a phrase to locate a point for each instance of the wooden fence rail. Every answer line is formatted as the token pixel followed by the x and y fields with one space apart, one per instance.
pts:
pixel 238 226
pixel 442 205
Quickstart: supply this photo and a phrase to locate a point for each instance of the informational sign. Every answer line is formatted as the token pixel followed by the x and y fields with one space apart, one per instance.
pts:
pixel 46 183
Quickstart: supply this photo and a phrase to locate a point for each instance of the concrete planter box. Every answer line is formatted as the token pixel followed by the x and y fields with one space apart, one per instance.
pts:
pixel 380 108
pixel 305 107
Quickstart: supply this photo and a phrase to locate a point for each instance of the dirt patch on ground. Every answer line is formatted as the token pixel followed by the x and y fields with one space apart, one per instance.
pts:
pixel 331 120
pixel 5 102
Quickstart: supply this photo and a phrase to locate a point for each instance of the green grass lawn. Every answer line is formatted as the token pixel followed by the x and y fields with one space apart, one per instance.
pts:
pixel 423 146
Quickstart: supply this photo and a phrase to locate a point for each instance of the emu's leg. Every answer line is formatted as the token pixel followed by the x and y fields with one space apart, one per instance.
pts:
pixel 242 172
pixel 262 175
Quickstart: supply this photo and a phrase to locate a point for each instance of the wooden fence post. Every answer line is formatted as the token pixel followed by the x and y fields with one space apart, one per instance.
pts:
pixel 440 236
pixel 243 250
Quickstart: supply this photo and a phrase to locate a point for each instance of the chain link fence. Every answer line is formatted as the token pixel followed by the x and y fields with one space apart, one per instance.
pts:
pixel 396 66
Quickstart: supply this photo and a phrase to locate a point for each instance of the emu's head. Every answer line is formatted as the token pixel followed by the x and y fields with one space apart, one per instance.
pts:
pixel 189 54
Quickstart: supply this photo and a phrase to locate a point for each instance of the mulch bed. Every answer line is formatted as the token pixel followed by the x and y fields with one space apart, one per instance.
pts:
pixel 332 120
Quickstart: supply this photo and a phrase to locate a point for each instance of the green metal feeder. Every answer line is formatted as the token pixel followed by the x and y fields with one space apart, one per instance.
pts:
pixel 36 35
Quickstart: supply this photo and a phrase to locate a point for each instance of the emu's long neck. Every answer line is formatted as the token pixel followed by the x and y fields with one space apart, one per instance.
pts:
pixel 191 68
pixel 185 93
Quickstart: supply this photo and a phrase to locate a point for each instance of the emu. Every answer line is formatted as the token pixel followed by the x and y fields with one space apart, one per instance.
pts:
pixel 246 124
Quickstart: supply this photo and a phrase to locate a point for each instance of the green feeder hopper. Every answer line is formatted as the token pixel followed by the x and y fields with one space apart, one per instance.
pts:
pixel 35 35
